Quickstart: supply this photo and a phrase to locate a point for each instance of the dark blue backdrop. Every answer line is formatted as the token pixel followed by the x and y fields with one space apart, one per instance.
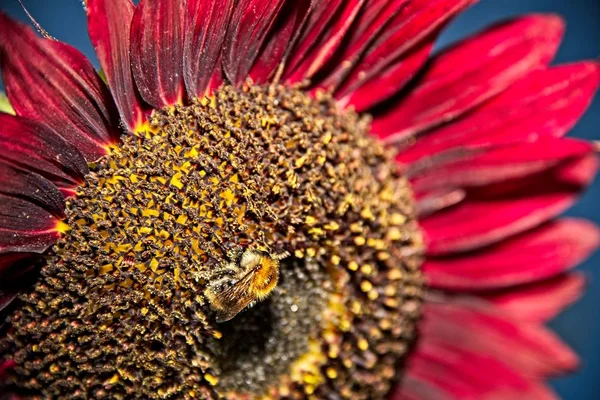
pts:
pixel 580 325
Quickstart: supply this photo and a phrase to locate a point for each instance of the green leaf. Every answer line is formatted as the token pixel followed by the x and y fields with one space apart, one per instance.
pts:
pixel 102 75
pixel 5 106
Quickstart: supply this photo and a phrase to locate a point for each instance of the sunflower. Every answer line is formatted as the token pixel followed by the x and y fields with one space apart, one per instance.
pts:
pixel 271 199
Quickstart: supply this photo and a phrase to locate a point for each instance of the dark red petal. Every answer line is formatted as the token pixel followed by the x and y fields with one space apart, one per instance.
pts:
pixel 322 13
pixel 477 327
pixel 250 23
pixel 461 373
pixel 54 83
pixel 328 43
pixel 16 274
pixel 34 147
pixel 109 23
pixel 545 103
pixel 11 259
pixel 369 24
pixel 436 200
pixel 157 51
pixel 286 31
pixel 30 210
pixel 499 164
pixel 472 72
pixel 498 212
pixel 414 388
pixel 34 187
pixel 6 298
pixel 390 81
pixel 533 256
pixel 25 226
pixel 205 30
pixel 418 20
pixel 4 367
pixel 542 301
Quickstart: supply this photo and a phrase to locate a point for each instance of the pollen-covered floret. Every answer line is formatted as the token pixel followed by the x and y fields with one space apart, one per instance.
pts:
pixel 120 310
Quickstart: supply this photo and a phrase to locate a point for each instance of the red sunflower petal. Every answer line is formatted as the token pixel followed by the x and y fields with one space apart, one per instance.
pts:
pixel 324 49
pixel 109 23
pixel 250 23
pixel 25 226
pixel 75 102
pixel 500 211
pixel 390 81
pixel 472 72
pixel 368 26
pixel 34 187
pixel 205 31
pixel 539 302
pixel 34 147
pixel 30 211
pixel 436 200
pixel 157 51
pixel 499 164
pixel 285 33
pixel 6 298
pixel 414 388
pixel 533 256
pixel 4 367
pixel 418 20
pixel 322 13
pixel 461 373
pixel 545 103
pixel 477 327
pixel 11 259
pixel 16 274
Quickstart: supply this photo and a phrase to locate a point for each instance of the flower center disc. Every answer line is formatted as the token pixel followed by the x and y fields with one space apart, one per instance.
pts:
pixel 257 243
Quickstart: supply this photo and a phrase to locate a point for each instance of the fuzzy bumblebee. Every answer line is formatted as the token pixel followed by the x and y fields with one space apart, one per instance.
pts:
pixel 238 286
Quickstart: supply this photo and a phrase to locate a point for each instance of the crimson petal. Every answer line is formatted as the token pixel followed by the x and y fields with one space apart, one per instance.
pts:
pixel 30 210
pixel 325 48
pixel 6 298
pixel 322 13
pixel 390 81
pixel 478 327
pixel 540 301
pixel 368 26
pixel 472 72
pixel 286 31
pixel 418 20
pixel 157 51
pixel 25 226
pixel 205 30
pixel 414 388
pixel 13 259
pixel 500 164
pixel 250 23
pixel 109 23
pixel 530 257
pixel 34 147
pixel 545 103
pixel 433 201
pixel 505 210
pixel 457 373
pixel 34 187
pixel 76 103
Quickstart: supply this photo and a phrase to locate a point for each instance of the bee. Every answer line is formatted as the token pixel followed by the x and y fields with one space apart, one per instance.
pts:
pixel 244 284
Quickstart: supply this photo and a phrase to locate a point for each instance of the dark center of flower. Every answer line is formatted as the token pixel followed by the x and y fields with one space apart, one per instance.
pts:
pixel 257 243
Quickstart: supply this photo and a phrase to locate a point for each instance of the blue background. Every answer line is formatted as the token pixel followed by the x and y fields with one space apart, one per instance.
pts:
pixel 580 325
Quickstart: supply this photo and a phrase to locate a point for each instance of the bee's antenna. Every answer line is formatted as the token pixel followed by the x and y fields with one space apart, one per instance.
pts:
pixel 41 30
